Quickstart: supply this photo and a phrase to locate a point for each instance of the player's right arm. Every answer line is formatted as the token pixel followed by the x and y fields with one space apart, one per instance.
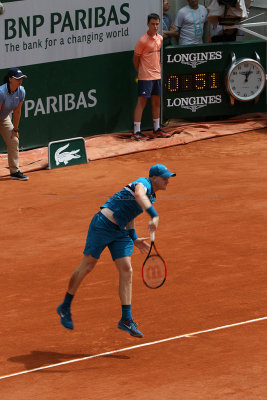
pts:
pixel 144 202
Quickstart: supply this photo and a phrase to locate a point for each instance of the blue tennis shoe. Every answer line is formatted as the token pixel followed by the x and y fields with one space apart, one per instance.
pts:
pixel 65 317
pixel 128 325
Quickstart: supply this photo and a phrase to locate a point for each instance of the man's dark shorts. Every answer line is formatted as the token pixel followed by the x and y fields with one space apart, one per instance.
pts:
pixel 149 88
pixel 102 232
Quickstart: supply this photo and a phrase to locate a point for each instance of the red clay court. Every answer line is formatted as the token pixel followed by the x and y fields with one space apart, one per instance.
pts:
pixel 204 330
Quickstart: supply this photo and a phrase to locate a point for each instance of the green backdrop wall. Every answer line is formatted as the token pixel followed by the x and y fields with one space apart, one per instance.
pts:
pixel 82 97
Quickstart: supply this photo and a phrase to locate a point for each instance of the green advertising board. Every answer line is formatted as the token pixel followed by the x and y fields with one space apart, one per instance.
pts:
pixel 78 59
pixel 81 97
pixel 195 79
pixel 62 153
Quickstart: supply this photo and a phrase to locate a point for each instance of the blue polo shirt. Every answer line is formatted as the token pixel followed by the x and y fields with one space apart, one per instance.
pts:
pixel 123 204
pixel 10 101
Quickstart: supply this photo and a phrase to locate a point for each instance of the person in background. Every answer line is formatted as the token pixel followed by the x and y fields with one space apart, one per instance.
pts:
pixel 218 34
pixel 190 21
pixel 12 95
pixel 169 29
pixel 146 61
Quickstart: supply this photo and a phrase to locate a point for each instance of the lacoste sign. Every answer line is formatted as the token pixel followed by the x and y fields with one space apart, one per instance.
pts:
pixel 65 157
pixel 67 152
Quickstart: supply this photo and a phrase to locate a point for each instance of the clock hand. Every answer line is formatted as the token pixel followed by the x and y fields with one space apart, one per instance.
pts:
pixel 247 75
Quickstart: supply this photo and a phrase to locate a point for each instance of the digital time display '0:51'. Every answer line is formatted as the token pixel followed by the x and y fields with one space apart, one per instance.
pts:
pixel 212 80
pixel 193 82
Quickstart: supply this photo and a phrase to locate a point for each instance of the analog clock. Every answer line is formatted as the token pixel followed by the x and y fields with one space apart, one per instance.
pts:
pixel 245 79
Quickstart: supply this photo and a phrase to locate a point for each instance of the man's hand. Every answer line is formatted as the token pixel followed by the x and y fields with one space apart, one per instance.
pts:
pixel 15 133
pixel 142 245
pixel 153 224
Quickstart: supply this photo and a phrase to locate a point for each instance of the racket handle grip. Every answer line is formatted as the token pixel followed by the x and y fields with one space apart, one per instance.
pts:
pixel 152 236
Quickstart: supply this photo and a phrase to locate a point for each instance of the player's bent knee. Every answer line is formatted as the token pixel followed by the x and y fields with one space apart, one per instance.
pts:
pixel 88 263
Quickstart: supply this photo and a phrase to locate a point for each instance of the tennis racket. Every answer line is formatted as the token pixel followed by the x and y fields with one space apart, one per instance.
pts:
pixel 154 270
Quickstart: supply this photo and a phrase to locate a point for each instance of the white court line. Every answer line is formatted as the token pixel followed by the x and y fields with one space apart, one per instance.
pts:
pixel 186 335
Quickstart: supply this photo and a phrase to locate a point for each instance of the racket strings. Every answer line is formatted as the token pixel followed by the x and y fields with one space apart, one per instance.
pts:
pixel 154 271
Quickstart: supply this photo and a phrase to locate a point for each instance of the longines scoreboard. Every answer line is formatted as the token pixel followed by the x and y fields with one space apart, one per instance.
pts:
pixel 214 79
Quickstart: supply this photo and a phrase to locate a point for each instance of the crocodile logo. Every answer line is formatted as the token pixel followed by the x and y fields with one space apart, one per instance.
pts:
pixel 62 156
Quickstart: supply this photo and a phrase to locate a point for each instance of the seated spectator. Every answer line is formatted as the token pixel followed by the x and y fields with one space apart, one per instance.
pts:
pixel 190 22
pixel 169 29
pixel 227 12
pixel 219 34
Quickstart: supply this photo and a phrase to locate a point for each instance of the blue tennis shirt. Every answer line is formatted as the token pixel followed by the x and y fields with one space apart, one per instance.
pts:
pixel 123 204
pixel 10 101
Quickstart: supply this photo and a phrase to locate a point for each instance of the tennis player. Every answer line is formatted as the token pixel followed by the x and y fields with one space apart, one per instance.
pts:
pixel 113 226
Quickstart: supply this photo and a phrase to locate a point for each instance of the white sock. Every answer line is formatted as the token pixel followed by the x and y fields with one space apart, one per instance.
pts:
pixel 137 127
pixel 156 124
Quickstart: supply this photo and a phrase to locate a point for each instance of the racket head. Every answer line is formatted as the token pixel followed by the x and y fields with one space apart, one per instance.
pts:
pixel 154 271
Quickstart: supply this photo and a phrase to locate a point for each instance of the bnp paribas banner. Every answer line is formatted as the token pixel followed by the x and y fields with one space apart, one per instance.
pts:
pixel 78 59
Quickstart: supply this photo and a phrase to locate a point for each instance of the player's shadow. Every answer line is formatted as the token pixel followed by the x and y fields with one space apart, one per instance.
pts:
pixel 37 359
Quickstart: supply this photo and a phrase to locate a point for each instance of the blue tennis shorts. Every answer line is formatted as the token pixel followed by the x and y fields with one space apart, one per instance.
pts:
pixel 101 233
pixel 149 88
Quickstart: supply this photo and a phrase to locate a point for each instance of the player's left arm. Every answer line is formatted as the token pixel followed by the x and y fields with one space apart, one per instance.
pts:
pixel 140 243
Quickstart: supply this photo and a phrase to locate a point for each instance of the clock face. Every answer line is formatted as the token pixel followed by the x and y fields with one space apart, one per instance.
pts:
pixel 246 79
